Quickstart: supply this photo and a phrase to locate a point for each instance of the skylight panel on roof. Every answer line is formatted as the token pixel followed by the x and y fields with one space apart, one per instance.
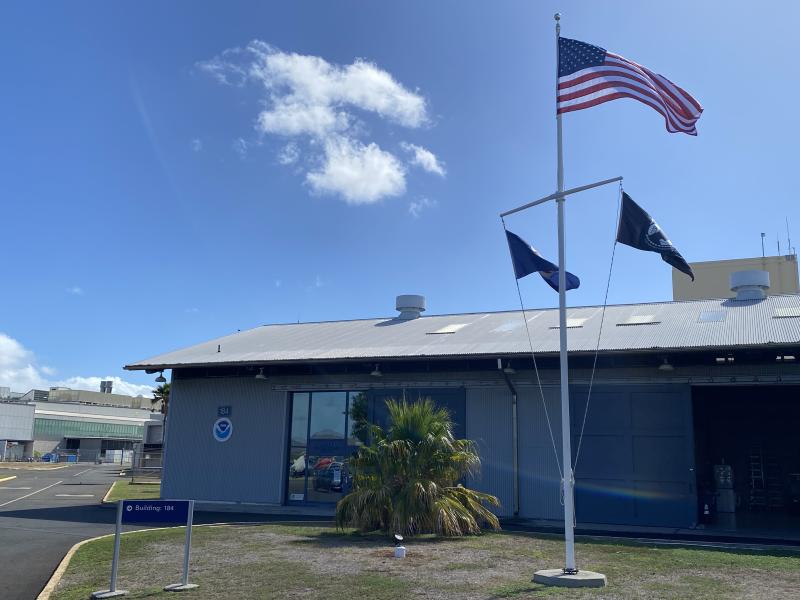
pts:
pixel 573 322
pixel 508 326
pixel 452 328
pixel 712 316
pixel 787 312
pixel 639 320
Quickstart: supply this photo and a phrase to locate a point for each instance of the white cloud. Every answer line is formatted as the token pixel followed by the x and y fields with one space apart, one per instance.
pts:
pixel 20 371
pixel 294 118
pixel 318 282
pixel 196 144
pixel 289 154
pixel 424 158
pixel 278 283
pixel 360 174
pixel 120 386
pixel 417 206
pixel 240 146
pixel 223 68
pixel 75 290
pixel 307 97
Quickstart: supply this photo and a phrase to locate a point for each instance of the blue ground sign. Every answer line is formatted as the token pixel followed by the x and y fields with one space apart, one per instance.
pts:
pixel 155 511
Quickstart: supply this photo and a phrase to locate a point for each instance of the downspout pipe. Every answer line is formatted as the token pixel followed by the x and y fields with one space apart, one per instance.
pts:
pixel 514 436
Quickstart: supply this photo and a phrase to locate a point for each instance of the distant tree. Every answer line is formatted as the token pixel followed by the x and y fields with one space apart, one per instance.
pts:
pixel 359 417
pixel 161 394
pixel 408 478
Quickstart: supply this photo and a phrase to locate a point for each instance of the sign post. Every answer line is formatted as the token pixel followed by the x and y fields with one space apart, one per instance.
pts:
pixel 112 590
pixel 152 511
pixel 184 584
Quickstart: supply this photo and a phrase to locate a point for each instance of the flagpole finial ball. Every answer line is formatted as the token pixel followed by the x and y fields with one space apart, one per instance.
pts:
pixel 557 16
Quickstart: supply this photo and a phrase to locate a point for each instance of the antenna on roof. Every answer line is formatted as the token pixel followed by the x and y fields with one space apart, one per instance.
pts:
pixel 789 237
pixel 778 239
pixel 763 235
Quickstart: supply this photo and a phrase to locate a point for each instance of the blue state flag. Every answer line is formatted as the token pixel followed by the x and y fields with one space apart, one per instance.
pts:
pixel 527 260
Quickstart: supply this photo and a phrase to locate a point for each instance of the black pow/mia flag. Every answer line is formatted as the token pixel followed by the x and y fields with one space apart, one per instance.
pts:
pixel 637 229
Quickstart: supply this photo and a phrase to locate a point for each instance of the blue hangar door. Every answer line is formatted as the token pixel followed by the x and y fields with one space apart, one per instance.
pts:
pixel 636 463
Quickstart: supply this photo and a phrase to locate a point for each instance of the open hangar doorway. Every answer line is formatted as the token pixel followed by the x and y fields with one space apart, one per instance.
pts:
pixel 747 458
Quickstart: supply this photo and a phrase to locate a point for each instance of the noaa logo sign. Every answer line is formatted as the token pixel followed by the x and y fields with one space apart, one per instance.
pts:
pixel 222 429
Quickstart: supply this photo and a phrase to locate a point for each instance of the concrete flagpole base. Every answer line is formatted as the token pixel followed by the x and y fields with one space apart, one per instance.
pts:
pixel 109 594
pixel 557 577
pixel 179 587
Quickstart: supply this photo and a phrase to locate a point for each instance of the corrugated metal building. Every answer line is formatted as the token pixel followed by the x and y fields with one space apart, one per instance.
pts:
pixel 679 388
pixel 16 430
pixel 86 430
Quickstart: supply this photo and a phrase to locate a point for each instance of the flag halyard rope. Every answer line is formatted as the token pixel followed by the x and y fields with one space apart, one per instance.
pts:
pixel 599 335
pixel 536 370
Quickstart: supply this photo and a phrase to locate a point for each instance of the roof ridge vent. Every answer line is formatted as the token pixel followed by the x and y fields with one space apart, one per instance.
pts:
pixel 750 285
pixel 410 306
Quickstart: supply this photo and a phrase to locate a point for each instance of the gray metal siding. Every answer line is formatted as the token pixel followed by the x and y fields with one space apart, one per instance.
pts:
pixel 489 425
pixel 636 465
pixel 540 494
pixel 16 421
pixel 249 467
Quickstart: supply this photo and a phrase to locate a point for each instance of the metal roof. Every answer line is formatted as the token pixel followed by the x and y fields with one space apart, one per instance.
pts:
pixel 630 327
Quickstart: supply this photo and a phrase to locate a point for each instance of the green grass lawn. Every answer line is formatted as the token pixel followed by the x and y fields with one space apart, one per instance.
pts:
pixel 125 490
pixel 282 561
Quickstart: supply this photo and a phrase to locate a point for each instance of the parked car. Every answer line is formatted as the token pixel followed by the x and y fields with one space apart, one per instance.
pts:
pixel 331 477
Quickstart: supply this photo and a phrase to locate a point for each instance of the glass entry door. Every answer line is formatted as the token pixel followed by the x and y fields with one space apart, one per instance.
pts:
pixel 324 434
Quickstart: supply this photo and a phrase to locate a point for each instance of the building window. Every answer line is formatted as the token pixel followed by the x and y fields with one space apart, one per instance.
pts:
pixel 326 429
pixel 325 432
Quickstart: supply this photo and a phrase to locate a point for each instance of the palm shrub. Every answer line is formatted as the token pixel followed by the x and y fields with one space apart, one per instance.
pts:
pixel 407 480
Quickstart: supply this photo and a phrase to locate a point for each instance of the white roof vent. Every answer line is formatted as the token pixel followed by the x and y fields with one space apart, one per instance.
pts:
pixel 410 306
pixel 750 285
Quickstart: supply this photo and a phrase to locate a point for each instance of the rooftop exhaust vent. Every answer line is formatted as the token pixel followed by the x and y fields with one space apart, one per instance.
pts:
pixel 410 306
pixel 750 285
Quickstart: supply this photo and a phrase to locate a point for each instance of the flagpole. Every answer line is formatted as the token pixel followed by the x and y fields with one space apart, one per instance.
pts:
pixel 568 482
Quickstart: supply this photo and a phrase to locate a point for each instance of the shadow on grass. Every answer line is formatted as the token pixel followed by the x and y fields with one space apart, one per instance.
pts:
pixel 696 547
pixel 337 539
pixel 700 546
pixel 526 588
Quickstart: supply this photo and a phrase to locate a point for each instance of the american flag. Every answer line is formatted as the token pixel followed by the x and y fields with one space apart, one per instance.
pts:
pixel 589 75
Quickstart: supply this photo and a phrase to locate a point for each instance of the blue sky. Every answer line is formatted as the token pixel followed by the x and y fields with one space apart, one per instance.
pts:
pixel 146 203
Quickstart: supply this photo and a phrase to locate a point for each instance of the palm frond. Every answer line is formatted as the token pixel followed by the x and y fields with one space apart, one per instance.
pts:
pixel 407 480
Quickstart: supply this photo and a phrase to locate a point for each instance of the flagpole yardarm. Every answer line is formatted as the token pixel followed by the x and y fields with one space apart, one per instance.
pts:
pixel 563 194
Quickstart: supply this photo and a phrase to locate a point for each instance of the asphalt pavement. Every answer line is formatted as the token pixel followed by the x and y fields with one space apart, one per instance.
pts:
pixel 42 514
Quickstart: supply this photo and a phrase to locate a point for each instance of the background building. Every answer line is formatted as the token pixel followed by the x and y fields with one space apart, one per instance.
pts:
pixel 87 430
pixel 712 278
pixel 16 430
pixel 681 389
pixel 85 424
pixel 61 394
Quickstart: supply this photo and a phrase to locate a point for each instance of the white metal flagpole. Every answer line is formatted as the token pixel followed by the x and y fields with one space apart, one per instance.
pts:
pixel 568 483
